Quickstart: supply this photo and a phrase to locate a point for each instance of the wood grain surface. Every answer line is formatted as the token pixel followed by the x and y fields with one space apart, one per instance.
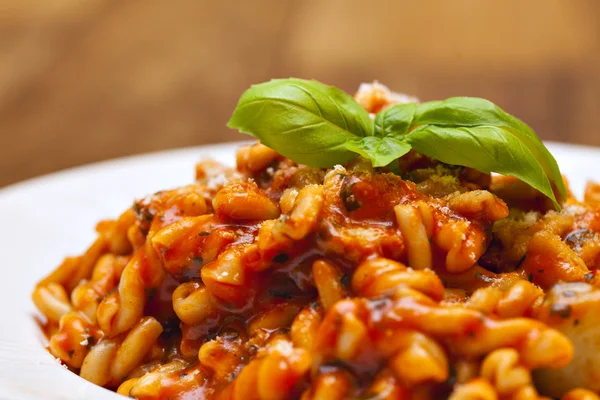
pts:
pixel 82 81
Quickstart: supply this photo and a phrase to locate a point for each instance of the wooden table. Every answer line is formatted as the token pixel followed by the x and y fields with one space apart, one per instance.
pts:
pixel 82 81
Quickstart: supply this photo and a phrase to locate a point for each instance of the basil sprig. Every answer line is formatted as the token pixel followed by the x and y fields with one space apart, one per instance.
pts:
pixel 321 126
pixel 306 121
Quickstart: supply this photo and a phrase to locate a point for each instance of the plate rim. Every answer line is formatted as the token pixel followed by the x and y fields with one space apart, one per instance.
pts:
pixel 133 158
pixel 187 149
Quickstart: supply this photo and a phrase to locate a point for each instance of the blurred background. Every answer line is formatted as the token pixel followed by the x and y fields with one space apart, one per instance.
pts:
pixel 82 81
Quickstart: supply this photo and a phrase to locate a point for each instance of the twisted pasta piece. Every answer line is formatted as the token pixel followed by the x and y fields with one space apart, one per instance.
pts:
pixel 414 357
pixel 329 386
pixel 386 386
pixel 112 359
pixel 74 338
pixel 173 377
pixel 52 300
pixel 279 316
pixel 255 158
pixel 194 304
pixel 277 237
pixel 303 217
pixel 328 280
pixel 520 299
pixel 478 277
pixel 287 199
pixel 120 310
pixel 186 245
pixel 305 327
pixel 550 260
pixel 223 356
pixel 227 279
pixel 273 374
pixel 417 236
pixel 463 244
pixel 381 277
pixel 503 370
pixel 105 277
pixel 115 233
pixel 475 389
pixel 479 205
pixel 244 201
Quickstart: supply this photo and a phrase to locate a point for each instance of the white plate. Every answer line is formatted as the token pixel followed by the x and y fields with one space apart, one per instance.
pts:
pixel 47 218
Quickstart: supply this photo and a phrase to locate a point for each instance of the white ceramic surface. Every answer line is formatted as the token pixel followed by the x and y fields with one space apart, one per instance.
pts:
pixel 45 219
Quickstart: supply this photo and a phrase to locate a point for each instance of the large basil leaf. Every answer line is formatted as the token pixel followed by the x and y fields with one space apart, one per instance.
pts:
pixel 306 121
pixel 472 112
pixel 486 148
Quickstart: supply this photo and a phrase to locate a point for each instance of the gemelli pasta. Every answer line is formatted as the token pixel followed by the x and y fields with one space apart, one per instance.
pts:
pixel 274 280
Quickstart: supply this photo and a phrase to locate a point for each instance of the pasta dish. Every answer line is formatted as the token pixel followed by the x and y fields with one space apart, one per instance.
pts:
pixel 273 280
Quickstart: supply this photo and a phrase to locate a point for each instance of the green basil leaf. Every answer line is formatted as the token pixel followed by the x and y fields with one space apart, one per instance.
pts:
pixel 380 150
pixel 395 121
pixel 486 148
pixel 472 111
pixel 306 121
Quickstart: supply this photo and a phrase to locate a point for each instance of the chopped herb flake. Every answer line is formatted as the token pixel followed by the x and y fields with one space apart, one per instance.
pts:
pixel 350 201
pixel 150 293
pixel 280 293
pixel 91 341
pixel 281 258
pixel 588 277
pixel 345 280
